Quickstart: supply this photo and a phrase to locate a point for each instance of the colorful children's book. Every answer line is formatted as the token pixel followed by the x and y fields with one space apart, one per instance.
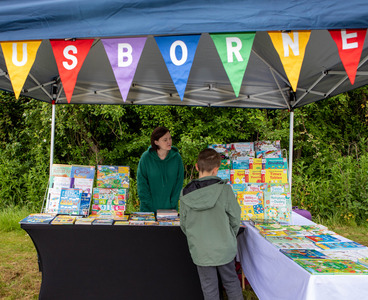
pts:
pixel 240 164
pixel 237 176
pixel 242 151
pixel 87 172
pixel 329 266
pixel 85 204
pixel 254 221
pixel 303 254
pixel 274 163
pixel 256 187
pixel 70 200
pixel 255 164
pixel 85 184
pixel 266 233
pixel 64 220
pixel 225 164
pixel 238 188
pixel 251 204
pixel 278 206
pixel 224 174
pixel 278 188
pixel 113 177
pixel 109 201
pixel 297 245
pixel 325 238
pixel 339 245
pixel 104 221
pixel 287 239
pixel 350 254
pixel 85 221
pixel 363 261
pixel 253 176
pixel 41 218
pixel 121 223
pixel 223 149
pixel 53 198
pixel 276 176
pixel 267 149
pixel 268 226
pixel 61 170
pixel 142 216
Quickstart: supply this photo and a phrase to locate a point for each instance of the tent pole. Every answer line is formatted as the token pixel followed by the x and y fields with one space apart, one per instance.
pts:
pixel 52 136
pixel 291 140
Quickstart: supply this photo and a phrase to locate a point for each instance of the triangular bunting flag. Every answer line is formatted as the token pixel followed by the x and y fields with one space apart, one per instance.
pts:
pixel 350 45
pixel 178 53
pixel 19 58
pixel 291 48
pixel 234 51
pixel 69 56
pixel 124 55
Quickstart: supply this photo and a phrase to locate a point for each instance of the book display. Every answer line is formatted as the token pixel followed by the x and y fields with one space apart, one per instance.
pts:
pixel 41 218
pixel 257 167
pixel 332 266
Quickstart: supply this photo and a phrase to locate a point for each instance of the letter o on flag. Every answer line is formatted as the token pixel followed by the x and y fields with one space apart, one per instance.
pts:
pixel 184 50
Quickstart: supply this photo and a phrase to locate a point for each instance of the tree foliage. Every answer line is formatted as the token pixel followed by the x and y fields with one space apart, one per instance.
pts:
pixel 330 144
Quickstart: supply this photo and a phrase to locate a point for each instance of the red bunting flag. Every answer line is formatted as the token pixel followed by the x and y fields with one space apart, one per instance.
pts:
pixel 69 56
pixel 350 45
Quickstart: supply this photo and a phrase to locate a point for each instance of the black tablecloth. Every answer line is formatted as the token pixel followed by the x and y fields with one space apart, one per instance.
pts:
pixel 114 262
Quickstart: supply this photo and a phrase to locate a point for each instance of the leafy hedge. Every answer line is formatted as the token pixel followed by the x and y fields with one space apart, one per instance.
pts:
pixel 330 145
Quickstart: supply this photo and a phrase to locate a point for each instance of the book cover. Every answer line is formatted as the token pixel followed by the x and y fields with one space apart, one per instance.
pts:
pixel 267 149
pixel 242 151
pixel 237 176
pixel 323 238
pixel 240 164
pixel 274 163
pixel 112 176
pixel 339 245
pixel 225 164
pixel 256 187
pixel 61 170
pixel 64 220
pixel 287 239
pixel 85 184
pixel 142 216
pixel 278 206
pixel 85 221
pixel 87 172
pixel 303 254
pixel 223 149
pixel 60 182
pixel 278 188
pixel 350 254
pixel 266 233
pixel 363 261
pixel 253 176
pixel 52 202
pixel 70 201
pixel 238 188
pixel 329 266
pixel 224 174
pixel 121 222
pixel 103 221
pixel 254 221
pixel 109 201
pixel 251 204
pixel 85 204
pixel 297 245
pixel 255 164
pixel 276 176
pixel 41 218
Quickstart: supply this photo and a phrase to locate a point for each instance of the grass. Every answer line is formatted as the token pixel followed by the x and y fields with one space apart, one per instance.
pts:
pixel 19 275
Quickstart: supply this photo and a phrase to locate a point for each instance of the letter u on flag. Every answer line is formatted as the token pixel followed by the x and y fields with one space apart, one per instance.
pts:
pixel 124 55
pixel 350 45
pixel 69 56
pixel 19 58
pixel 178 53
pixel 234 51
pixel 291 48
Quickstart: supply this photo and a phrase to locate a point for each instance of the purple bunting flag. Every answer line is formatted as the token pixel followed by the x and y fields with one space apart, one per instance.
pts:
pixel 178 53
pixel 124 55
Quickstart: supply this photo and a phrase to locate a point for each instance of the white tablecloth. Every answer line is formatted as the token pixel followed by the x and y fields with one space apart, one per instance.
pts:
pixel 274 276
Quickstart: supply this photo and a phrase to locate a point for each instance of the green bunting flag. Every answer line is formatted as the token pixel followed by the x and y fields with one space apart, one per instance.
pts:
pixel 234 51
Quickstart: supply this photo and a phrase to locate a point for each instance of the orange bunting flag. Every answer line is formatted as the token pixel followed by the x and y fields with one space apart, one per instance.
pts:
pixel 350 45
pixel 19 58
pixel 291 48
pixel 69 56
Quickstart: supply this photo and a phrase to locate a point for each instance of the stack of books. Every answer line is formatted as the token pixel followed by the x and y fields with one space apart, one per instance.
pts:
pixel 168 217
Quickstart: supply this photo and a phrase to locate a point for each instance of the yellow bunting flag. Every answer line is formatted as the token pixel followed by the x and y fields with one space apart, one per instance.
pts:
pixel 19 58
pixel 291 48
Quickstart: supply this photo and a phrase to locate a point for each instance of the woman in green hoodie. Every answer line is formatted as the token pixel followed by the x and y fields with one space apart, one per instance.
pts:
pixel 160 173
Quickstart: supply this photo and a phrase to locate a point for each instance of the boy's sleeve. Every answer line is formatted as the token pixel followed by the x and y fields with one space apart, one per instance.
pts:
pixel 233 210
pixel 143 189
pixel 178 185
pixel 183 216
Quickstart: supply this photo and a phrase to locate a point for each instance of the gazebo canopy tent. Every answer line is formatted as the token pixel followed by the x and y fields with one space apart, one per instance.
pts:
pixel 265 83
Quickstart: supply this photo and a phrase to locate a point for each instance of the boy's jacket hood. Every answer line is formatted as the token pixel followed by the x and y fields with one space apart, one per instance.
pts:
pixel 203 193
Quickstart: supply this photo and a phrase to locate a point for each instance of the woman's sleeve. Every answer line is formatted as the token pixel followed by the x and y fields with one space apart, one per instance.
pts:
pixel 178 185
pixel 143 189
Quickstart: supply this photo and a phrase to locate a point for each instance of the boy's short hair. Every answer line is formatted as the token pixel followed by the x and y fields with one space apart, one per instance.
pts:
pixel 208 159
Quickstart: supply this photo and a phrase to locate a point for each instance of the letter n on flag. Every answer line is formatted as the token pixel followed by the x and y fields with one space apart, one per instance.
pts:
pixel 69 56
pixel 291 48
pixel 234 51
pixel 350 45
pixel 19 58
pixel 124 55
pixel 178 53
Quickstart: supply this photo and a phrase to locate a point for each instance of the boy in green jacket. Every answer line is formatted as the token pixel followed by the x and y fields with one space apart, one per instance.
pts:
pixel 210 218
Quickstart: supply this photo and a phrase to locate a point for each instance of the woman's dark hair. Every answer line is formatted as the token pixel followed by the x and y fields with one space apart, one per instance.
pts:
pixel 158 133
